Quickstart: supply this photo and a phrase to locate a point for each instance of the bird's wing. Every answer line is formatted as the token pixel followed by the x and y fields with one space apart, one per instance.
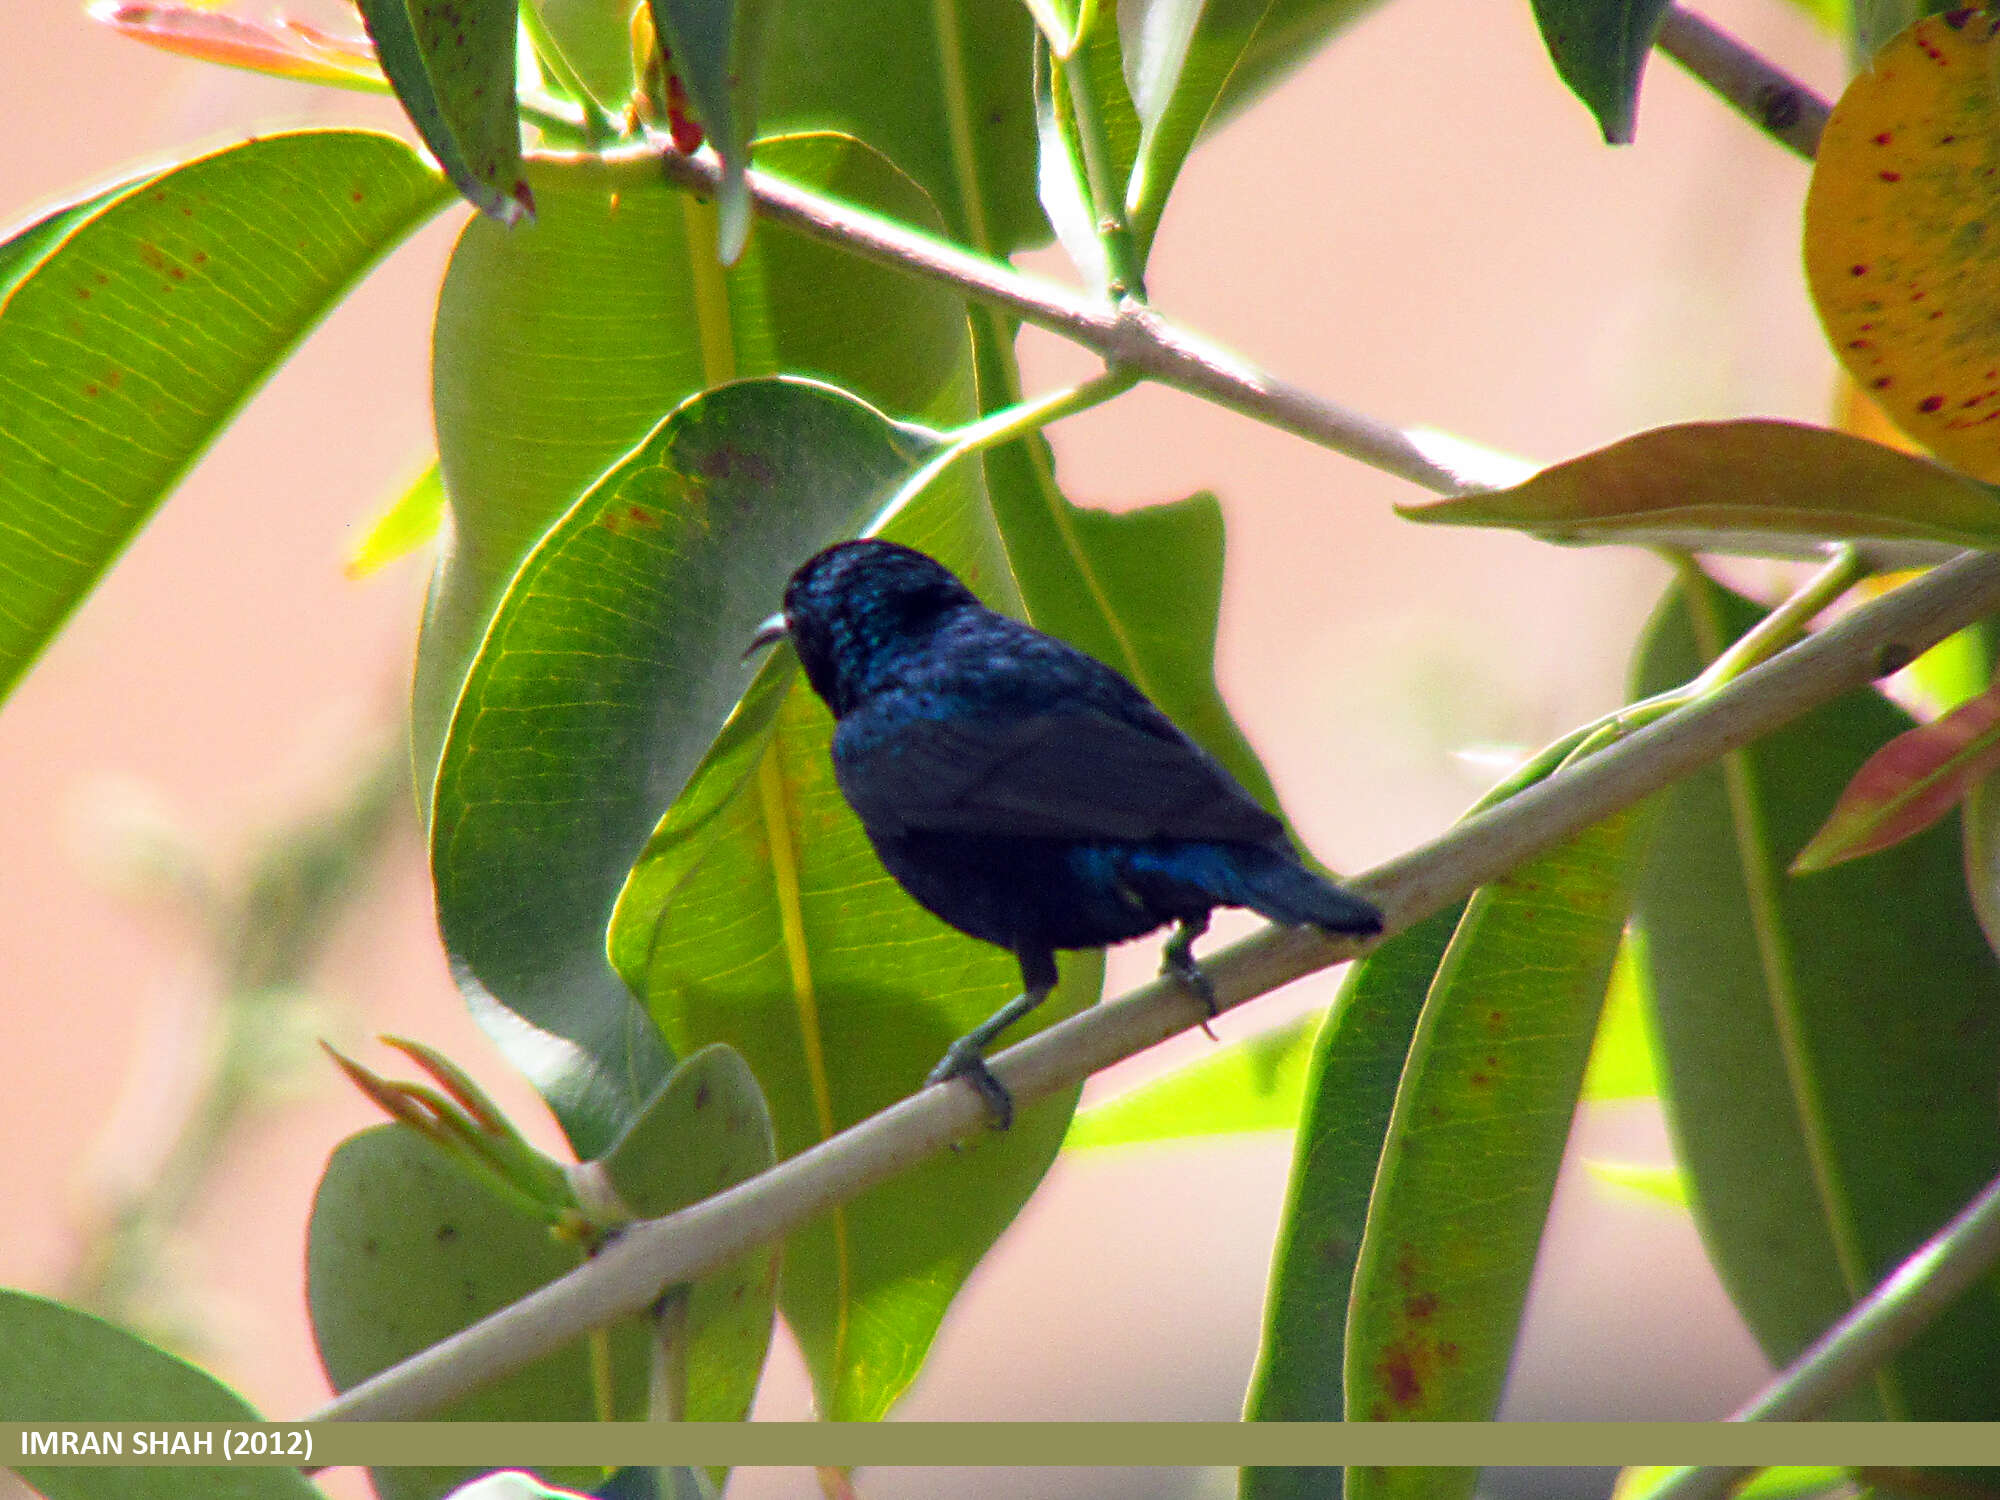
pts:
pixel 1075 773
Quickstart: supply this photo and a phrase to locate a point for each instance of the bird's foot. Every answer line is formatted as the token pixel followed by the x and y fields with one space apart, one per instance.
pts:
pixel 1177 959
pixel 965 1058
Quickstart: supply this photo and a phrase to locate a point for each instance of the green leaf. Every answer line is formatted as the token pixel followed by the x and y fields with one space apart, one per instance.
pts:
pixel 1764 1484
pixel 25 248
pixel 1062 177
pixel 1599 48
pixel 1481 1118
pixel 451 63
pixel 595 38
pixel 760 916
pixel 1283 36
pixel 1350 1092
pixel 717 51
pixel 1250 1085
pixel 1827 1046
pixel 64 1365
pixel 1622 1062
pixel 944 91
pixel 1648 1180
pixel 614 661
pixel 1189 62
pixel 404 1248
pixel 708 1129
pixel 133 331
pixel 1960 666
pixel 409 521
pixel 557 351
pixel 1755 486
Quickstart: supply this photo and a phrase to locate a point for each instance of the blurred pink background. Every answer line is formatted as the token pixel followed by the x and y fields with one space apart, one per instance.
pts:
pixel 1421 224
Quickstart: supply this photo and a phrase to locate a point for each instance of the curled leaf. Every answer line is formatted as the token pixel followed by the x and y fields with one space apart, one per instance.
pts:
pixel 282 47
pixel 1909 784
pixel 1758 486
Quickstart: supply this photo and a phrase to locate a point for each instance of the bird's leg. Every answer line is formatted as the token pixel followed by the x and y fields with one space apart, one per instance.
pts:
pixel 1177 959
pixel 966 1057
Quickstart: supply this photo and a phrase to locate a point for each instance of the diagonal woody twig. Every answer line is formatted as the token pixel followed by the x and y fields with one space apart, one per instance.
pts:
pixel 632 1271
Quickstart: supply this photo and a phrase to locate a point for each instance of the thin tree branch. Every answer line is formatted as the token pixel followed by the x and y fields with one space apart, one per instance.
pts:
pixel 1129 335
pixel 1905 1304
pixel 630 1273
pixel 1762 92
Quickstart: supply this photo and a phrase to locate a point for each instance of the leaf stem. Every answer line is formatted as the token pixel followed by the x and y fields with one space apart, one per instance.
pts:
pixel 628 1273
pixel 555 65
pixel 1106 193
pixel 1130 334
pixel 1003 426
pixel 1906 1302
pixel 1787 623
pixel 1763 93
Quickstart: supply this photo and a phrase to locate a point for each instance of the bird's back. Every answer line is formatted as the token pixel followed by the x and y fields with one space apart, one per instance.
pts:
pixel 988 726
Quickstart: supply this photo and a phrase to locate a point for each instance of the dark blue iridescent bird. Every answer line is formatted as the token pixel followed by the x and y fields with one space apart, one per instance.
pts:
pixel 1023 792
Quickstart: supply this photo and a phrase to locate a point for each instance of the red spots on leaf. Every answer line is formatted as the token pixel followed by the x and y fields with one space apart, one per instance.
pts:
pixel 152 255
pixel 357 196
pixel 701 1092
pixel 1884 138
pixel 1407 1266
pixel 1421 1306
pixel 1930 403
pixel 1398 1370
pixel 726 461
pixel 1880 383
pixel 1890 176
pixel 638 515
pixel 1857 270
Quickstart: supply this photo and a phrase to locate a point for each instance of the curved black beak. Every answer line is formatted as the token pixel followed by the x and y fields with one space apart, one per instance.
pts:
pixel 768 634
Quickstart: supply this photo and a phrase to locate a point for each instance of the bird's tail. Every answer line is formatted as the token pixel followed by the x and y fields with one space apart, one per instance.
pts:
pixel 1274 885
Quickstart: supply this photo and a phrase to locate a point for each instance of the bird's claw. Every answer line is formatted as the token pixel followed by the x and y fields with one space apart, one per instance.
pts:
pixel 1178 960
pixel 963 1059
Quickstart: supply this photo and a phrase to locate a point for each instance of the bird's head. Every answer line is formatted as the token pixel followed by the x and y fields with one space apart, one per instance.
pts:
pixel 853 608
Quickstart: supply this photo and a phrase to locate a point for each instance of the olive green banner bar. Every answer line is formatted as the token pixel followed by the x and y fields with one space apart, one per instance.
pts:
pixel 1000 1444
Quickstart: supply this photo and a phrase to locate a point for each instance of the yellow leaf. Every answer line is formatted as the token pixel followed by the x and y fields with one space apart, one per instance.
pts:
pixel 1902 235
